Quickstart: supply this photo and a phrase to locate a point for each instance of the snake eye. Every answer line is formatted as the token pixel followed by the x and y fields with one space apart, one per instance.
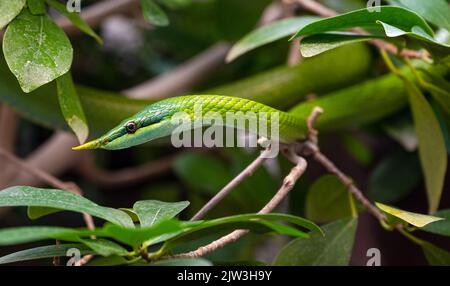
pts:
pixel 131 127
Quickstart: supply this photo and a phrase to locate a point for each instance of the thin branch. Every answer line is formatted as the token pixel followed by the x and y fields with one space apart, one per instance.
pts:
pixel 288 183
pixel 247 172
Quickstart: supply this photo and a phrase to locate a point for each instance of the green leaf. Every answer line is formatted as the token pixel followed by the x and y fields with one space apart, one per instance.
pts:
pixel 316 44
pixel 327 200
pixel 71 107
pixel 76 20
pixel 153 13
pixel 434 11
pixel 17 235
pixel 183 262
pixel 395 16
pixel 29 196
pixel 436 256
pixel 10 9
pixel 105 247
pixel 151 212
pixel 136 236
pixel 441 227
pixel 268 34
pixel 113 260
pixel 175 4
pixel 334 249
pixel 418 220
pixel 44 252
pixel 403 132
pixel 432 149
pixel 37 7
pixel 37 50
pixel 38 212
pixel 394 177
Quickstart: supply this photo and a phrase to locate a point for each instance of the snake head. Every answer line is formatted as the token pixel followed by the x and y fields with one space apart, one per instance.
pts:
pixel 149 124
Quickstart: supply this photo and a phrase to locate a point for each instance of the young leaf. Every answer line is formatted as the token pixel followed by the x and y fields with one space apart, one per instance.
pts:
pixel 268 34
pixel 436 256
pixel 71 107
pixel 151 212
pixel 75 18
pixel 44 252
pixel 105 247
pixel 29 196
pixel 334 249
pixel 153 13
pixel 36 49
pixel 418 220
pixel 441 227
pixel 394 177
pixel 327 200
pixel 432 149
pixel 37 7
pixel 434 11
pixel 10 9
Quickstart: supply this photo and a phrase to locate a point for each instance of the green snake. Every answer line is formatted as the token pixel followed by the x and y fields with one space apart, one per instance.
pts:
pixel 154 121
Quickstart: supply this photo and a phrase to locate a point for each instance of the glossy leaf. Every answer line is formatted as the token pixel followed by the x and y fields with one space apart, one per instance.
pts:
pixel 151 212
pixel 71 107
pixel 10 9
pixel 76 19
pixel 334 249
pixel 267 34
pixel 153 13
pixel 434 11
pixel 44 252
pixel 418 220
pixel 37 50
pixel 432 149
pixel 327 200
pixel 436 256
pixel 394 177
pixel 29 196
pixel 441 227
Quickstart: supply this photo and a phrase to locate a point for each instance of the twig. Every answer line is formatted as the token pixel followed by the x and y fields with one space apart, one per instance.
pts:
pixel 324 11
pixel 247 172
pixel 288 183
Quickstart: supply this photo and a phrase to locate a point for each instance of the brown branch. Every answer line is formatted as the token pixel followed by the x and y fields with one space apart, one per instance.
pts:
pixel 288 183
pixel 247 172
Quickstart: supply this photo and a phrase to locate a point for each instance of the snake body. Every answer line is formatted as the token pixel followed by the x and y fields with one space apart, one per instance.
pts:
pixel 154 121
